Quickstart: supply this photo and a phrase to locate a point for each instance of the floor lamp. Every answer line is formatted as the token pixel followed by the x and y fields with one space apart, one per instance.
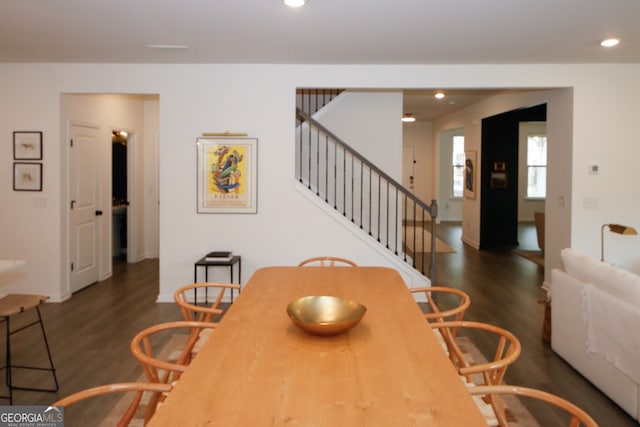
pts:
pixel 614 228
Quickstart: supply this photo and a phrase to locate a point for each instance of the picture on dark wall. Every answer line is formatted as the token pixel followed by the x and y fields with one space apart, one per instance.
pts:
pixel 470 174
pixel 498 180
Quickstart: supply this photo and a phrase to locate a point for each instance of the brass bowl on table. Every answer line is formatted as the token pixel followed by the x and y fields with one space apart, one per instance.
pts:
pixel 325 315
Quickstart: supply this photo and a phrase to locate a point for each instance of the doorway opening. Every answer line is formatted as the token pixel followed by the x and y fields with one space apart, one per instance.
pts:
pixel 91 120
pixel 119 197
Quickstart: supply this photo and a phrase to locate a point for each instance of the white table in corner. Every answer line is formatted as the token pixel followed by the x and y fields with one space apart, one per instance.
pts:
pixel 10 264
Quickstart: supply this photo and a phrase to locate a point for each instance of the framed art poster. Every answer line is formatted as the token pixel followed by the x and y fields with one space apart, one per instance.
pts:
pixel 227 175
pixel 27 176
pixel 27 145
pixel 470 158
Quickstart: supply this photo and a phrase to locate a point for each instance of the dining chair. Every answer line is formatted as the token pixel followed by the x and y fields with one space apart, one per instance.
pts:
pixel 505 348
pixel 496 413
pixel 444 303
pixel 327 261
pixel 202 313
pixel 135 390
pixel 167 368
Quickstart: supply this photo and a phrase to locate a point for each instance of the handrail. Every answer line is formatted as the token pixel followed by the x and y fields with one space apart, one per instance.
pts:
pixel 360 157
pixel 347 175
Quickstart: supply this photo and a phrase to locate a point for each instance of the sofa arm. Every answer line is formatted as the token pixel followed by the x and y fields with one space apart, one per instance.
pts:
pixel 568 334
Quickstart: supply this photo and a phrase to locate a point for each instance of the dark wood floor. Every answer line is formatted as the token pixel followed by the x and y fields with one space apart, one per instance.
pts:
pixel 505 290
pixel 90 333
pixel 89 336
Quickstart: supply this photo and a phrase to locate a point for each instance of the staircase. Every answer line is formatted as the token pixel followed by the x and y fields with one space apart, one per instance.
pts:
pixel 361 192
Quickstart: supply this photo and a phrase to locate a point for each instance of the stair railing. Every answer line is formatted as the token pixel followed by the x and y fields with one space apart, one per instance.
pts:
pixel 311 100
pixel 364 194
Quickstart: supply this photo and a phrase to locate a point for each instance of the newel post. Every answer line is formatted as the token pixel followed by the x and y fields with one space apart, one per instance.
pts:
pixel 433 212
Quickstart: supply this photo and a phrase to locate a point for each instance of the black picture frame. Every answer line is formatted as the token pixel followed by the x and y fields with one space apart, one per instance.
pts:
pixel 27 176
pixel 27 145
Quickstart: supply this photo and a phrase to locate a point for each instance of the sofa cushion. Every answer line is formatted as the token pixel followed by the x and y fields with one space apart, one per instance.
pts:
pixel 616 281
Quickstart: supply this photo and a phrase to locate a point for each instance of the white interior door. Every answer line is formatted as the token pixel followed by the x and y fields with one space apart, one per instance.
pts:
pixel 84 214
pixel 408 167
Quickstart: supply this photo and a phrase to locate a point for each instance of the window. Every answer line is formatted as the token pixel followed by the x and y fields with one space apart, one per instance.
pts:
pixel 536 166
pixel 457 163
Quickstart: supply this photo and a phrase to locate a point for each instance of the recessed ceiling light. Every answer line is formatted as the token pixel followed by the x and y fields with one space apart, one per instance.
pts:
pixel 168 46
pixel 295 3
pixel 610 42
pixel 408 118
pixel 439 95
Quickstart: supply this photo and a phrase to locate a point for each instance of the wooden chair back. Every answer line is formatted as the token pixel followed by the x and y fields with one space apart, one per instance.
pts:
pixel 327 261
pixel 186 298
pixel 136 389
pixel 506 351
pixel 493 393
pixel 169 369
pixel 435 296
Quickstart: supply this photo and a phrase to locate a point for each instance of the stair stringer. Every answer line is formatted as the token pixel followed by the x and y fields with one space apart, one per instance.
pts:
pixel 412 277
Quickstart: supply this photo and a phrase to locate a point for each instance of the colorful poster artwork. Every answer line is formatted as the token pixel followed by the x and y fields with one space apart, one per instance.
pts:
pixel 226 183
pixel 227 175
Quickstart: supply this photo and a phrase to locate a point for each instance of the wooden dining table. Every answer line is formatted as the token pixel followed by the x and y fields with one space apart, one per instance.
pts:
pixel 259 369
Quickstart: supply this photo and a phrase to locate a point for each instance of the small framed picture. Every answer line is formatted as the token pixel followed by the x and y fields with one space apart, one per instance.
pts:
pixel 498 180
pixel 27 145
pixel 470 158
pixel 27 176
pixel 499 166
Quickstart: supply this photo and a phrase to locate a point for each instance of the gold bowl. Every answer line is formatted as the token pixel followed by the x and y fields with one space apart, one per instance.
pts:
pixel 325 315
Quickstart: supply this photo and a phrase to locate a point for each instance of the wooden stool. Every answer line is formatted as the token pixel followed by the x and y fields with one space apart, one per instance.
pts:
pixel 11 305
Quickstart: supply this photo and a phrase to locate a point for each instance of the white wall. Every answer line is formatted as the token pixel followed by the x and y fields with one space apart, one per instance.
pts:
pixel 150 181
pixel 260 100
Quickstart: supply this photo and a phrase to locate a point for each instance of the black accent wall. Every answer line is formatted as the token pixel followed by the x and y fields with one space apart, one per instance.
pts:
pixel 498 204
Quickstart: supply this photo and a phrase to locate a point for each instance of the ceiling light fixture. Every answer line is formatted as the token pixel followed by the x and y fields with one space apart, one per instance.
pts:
pixel 408 118
pixel 439 95
pixel 295 3
pixel 610 42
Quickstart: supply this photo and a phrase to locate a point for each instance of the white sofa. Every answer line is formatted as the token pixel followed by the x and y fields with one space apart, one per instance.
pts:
pixel 595 325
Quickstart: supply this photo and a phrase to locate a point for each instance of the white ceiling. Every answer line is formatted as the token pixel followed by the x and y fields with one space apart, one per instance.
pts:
pixel 324 32
pixel 422 104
